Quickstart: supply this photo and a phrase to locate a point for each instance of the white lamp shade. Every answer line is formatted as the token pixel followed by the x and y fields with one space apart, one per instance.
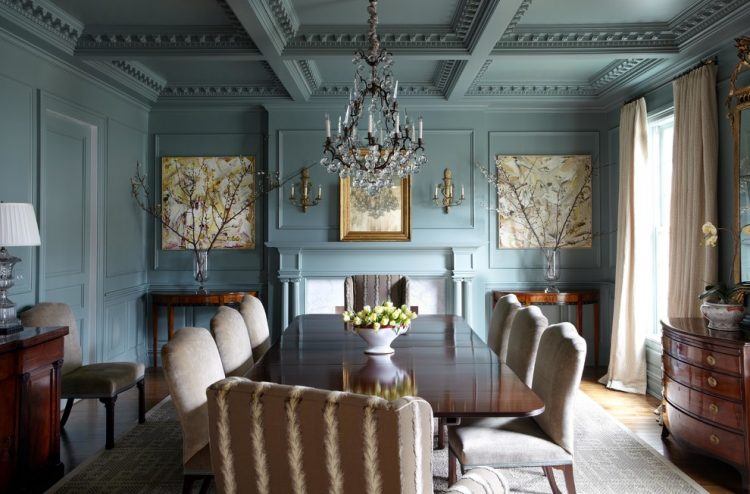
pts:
pixel 18 225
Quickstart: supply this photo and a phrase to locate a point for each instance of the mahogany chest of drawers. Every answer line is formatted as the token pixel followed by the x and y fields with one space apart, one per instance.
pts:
pixel 30 363
pixel 706 388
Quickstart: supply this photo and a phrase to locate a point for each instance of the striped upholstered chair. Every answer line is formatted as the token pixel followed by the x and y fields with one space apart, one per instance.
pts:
pixel 373 289
pixel 269 438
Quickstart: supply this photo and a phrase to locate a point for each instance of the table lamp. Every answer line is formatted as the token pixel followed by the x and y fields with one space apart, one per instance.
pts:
pixel 17 228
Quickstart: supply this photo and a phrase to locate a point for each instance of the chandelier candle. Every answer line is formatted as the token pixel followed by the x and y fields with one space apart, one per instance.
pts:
pixel 388 152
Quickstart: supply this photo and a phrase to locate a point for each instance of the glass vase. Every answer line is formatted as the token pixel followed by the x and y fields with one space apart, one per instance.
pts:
pixel 200 268
pixel 551 269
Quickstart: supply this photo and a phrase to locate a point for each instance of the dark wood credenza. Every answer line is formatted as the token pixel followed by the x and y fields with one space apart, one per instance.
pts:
pixel 30 363
pixel 706 388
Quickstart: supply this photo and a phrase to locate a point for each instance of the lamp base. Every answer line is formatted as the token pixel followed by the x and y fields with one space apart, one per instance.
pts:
pixel 9 322
pixel 10 328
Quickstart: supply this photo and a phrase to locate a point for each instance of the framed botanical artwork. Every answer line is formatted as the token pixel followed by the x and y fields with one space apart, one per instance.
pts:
pixel 195 189
pixel 556 190
pixel 385 216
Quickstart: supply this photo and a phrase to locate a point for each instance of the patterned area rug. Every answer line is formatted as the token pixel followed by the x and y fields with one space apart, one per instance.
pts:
pixel 609 459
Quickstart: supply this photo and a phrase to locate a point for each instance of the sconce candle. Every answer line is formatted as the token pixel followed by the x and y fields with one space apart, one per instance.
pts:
pixel 305 186
pixel 446 190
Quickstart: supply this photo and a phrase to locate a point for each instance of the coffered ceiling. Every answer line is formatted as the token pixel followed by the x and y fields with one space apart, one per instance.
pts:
pixel 481 52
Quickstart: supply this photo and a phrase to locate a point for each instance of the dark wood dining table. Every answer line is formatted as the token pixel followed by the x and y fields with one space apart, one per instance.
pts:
pixel 439 359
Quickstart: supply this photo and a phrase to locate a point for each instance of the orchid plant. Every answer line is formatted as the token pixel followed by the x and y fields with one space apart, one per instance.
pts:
pixel 723 293
pixel 380 316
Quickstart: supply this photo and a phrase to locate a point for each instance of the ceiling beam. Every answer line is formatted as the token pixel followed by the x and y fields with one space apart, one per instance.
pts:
pixel 489 27
pixel 261 24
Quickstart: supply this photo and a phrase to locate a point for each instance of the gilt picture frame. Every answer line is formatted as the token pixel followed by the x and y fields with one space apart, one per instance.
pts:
pixel 384 217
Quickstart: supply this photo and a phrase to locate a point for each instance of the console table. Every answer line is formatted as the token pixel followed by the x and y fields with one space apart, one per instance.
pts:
pixel 30 363
pixel 170 300
pixel 579 298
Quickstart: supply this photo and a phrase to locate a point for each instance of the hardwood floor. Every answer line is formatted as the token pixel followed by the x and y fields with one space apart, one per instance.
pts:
pixel 84 433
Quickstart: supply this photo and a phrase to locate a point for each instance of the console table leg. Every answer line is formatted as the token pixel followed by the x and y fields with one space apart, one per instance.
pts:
pixel 170 322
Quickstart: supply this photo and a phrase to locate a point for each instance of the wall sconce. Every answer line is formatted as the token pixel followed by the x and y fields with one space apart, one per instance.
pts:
pixel 305 185
pixel 446 190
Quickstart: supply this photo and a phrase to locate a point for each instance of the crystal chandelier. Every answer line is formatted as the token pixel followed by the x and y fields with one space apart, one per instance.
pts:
pixel 392 149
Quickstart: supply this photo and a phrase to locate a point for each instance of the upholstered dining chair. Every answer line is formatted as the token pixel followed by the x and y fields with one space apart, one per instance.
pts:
pixel 523 341
pixel 270 438
pixel 256 321
pixel 373 289
pixel 232 340
pixel 543 441
pixel 104 381
pixel 500 323
pixel 191 364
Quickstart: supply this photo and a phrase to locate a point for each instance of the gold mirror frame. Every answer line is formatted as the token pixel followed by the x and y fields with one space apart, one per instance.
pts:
pixel 737 101
pixel 347 235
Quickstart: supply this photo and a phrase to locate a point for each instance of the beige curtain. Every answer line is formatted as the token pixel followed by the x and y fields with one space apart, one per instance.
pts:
pixel 694 176
pixel 627 358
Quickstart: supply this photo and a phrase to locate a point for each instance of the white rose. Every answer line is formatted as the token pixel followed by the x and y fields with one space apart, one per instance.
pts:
pixel 378 309
pixel 708 229
pixel 404 308
pixel 357 321
pixel 384 321
pixel 376 326
pixel 711 240
pixel 367 308
pixel 389 304
pixel 347 317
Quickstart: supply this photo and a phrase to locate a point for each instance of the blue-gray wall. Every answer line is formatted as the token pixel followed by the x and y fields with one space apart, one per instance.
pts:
pixel 53 117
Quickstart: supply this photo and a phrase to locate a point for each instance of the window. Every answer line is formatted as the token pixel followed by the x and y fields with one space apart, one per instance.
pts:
pixel 653 198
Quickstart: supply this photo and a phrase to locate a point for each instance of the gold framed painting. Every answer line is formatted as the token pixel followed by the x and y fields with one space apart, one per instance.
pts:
pixel 193 188
pixel 385 216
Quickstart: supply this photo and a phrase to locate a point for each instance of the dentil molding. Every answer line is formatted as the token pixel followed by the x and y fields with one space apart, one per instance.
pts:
pixel 45 20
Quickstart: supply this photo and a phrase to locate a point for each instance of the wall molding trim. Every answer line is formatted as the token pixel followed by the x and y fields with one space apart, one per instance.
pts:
pixel 133 75
pixel 224 90
pixel 46 20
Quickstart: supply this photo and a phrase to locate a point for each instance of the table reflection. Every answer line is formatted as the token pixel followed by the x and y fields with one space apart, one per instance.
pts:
pixel 380 376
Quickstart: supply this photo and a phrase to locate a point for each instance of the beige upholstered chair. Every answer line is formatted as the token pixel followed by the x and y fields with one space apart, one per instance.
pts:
pixel 523 342
pixel 256 321
pixel 543 441
pixel 233 341
pixel 191 364
pixel 373 289
pixel 500 323
pixel 103 381
pixel 269 438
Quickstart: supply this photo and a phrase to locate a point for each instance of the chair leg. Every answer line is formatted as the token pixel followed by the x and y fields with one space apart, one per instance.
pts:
pixel 205 484
pixel 570 482
pixel 452 474
pixel 441 430
pixel 187 484
pixel 550 473
pixel 109 406
pixel 66 412
pixel 141 401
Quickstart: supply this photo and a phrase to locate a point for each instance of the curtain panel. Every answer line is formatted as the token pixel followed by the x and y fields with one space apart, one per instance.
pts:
pixel 627 359
pixel 695 162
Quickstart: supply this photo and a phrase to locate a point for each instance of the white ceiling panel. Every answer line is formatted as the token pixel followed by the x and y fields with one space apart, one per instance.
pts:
pixel 146 12
pixel 348 12
pixel 210 72
pixel 340 69
pixel 603 11
pixel 545 68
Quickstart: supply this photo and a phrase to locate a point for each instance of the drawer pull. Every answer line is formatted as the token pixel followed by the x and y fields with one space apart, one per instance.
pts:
pixel 714 408
pixel 714 439
pixel 712 381
pixel 711 360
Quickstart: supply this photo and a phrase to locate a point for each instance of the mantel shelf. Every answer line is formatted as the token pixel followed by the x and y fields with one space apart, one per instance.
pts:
pixel 371 246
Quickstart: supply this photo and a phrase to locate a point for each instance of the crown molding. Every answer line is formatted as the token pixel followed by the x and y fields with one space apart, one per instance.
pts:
pixel 613 72
pixel 480 74
pixel 701 16
pixel 45 20
pixel 520 12
pixel 310 72
pixel 497 89
pixel 223 91
pixel 653 37
pixel 231 17
pixel 132 75
pixel 405 89
pixel 285 16
pixel 109 41
pixel 445 74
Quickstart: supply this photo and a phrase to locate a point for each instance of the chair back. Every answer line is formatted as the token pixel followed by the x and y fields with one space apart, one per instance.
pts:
pixel 272 438
pixel 256 321
pixel 523 342
pixel 191 364
pixel 232 340
pixel 45 314
pixel 500 322
pixel 562 353
pixel 374 289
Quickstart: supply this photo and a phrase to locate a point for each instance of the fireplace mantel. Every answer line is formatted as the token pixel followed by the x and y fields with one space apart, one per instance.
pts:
pixel 297 261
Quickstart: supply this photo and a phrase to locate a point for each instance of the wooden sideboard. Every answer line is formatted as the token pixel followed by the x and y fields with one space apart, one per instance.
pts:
pixel 706 388
pixel 30 363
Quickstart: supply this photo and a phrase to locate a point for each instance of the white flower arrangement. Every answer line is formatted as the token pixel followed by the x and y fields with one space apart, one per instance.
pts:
pixel 380 316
